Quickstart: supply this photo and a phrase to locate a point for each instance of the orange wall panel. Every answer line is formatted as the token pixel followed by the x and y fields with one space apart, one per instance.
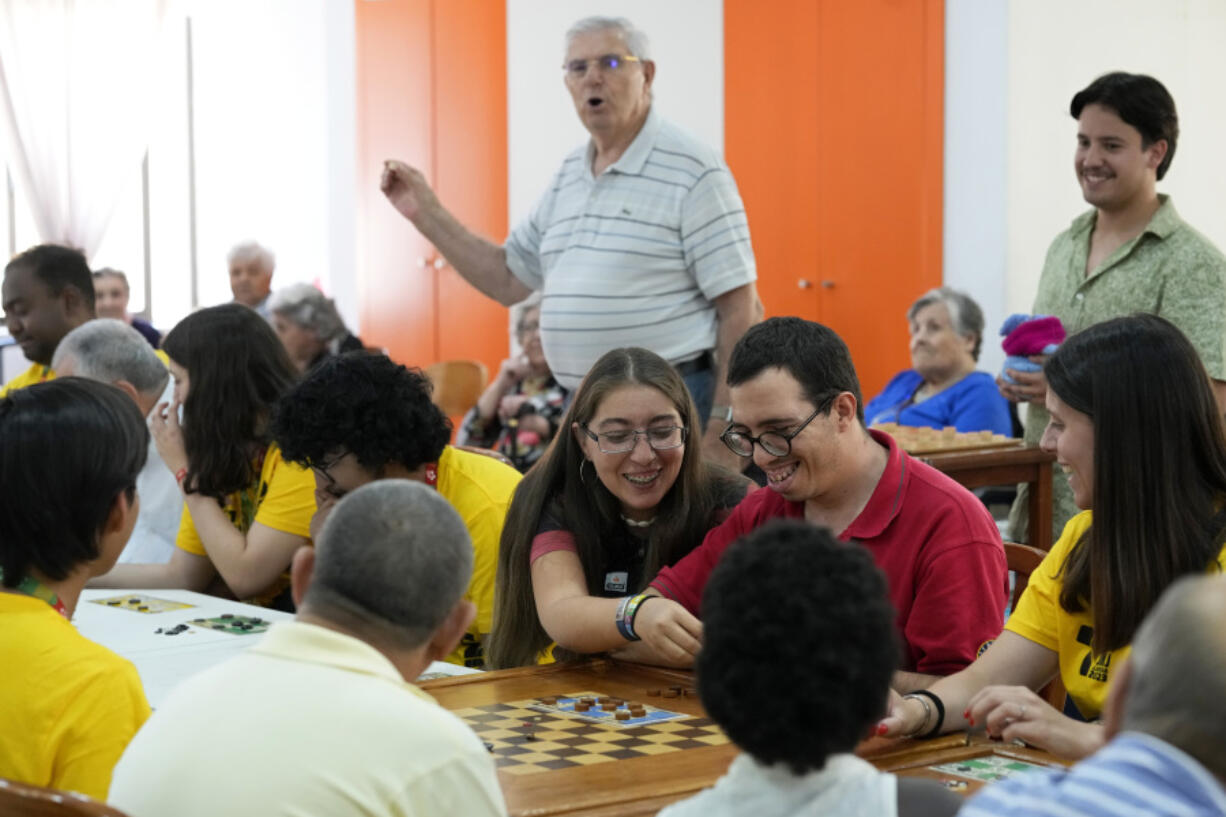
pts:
pixel 834 115
pixel 431 78
pixel 397 295
pixel 470 118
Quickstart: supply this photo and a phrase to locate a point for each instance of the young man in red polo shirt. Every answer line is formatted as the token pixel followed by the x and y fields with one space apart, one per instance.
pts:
pixel 797 411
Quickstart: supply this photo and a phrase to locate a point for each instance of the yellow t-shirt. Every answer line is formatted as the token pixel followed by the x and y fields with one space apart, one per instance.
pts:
pixel 283 499
pixel 1040 618
pixel 480 489
pixel 37 373
pixel 68 706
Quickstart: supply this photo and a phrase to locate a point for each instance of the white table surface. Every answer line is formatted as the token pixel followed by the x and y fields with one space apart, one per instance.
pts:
pixel 163 661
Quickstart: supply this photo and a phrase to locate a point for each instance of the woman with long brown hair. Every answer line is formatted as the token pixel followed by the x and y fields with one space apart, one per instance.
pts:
pixel 1136 429
pixel 246 510
pixel 620 493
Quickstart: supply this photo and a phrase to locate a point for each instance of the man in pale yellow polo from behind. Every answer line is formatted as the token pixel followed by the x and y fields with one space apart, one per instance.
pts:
pixel 48 291
pixel 322 716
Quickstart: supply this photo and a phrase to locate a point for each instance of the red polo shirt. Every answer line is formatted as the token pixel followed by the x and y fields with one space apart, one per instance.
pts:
pixel 937 545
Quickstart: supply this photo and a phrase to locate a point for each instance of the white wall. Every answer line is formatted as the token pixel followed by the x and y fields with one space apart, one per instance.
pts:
pixel 976 193
pixel 1057 47
pixel 687 43
pixel 274 128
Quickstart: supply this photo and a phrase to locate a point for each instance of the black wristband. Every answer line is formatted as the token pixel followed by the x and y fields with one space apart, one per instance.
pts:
pixel 931 733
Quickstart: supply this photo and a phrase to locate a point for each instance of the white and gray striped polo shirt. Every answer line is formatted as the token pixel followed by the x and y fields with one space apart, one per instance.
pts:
pixel 636 256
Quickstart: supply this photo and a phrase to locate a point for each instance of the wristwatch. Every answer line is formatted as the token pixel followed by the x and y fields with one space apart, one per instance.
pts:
pixel 721 413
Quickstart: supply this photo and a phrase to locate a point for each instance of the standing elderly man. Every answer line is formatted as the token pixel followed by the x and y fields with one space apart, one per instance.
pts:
pixel 110 351
pixel 251 267
pixel 641 239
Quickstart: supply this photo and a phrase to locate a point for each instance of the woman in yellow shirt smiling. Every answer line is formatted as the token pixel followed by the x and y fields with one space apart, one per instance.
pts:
pixel 1136 429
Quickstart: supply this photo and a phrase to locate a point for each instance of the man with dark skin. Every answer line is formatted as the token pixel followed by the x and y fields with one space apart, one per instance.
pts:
pixel 48 291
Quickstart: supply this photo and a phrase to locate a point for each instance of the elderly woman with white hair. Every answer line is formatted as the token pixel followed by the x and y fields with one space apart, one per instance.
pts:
pixel 309 326
pixel 942 387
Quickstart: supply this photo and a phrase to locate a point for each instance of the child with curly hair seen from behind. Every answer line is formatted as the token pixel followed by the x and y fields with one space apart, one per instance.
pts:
pixel 798 682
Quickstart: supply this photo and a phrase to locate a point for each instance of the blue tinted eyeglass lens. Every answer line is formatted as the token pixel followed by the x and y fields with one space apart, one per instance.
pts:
pixel 610 62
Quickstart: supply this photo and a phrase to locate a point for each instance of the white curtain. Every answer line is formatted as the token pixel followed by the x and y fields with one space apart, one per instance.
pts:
pixel 76 85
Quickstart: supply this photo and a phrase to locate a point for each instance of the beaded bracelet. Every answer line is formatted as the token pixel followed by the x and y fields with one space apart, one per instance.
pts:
pixel 923 696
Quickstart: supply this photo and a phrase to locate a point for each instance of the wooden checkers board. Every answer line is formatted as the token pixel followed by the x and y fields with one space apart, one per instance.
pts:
pixel 528 737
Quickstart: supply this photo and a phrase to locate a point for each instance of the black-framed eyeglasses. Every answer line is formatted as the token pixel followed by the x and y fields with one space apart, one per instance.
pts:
pixel 775 443
pixel 609 62
pixel 660 438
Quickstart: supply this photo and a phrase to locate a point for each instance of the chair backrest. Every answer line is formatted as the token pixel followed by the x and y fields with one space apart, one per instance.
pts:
pixel 25 800
pixel 457 384
pixel 1022 560
pixel 485 452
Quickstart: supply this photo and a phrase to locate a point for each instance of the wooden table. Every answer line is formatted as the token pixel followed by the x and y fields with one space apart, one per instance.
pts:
pixel 1001 466
pixel 641 786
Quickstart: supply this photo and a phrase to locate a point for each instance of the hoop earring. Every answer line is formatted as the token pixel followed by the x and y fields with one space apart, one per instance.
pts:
pixel 582 463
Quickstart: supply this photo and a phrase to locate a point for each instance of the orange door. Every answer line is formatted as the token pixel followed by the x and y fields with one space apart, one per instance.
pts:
pixel 834 131
pixel 470 148
pixel 431 78
pixel 396 284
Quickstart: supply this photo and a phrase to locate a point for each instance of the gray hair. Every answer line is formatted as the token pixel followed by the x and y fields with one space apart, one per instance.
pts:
pixel 253 251
pixel 965 316
pixel 108 272
pixel 309 308
pixel 635 39
pixel 392 561
pixel 1179 671
pixel 108 350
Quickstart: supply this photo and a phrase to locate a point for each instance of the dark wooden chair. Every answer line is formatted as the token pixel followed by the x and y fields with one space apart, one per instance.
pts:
pixel 485 452
pixel 25 800
pixel 457 384
pixel 1022 560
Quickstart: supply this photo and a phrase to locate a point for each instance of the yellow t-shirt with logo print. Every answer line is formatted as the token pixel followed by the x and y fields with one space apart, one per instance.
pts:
pixel 282 499
pixel 1040 618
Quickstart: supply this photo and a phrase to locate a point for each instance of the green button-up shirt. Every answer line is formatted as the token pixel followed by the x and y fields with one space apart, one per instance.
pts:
pixel 1169 269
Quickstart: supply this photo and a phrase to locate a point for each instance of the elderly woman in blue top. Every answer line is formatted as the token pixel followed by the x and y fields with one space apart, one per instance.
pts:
pixel 942 387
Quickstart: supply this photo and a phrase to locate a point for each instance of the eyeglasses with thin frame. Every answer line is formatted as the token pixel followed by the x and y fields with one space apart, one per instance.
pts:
pixel 775 443
pixel 660 438
pixel 608 62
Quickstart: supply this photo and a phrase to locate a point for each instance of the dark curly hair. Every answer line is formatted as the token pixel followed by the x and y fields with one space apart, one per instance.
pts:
pixel 798 644
pixel 237 370
pixel 68 448
pixel 362 404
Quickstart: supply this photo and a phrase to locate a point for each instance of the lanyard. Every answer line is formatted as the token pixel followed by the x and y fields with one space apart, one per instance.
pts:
pixel 33 587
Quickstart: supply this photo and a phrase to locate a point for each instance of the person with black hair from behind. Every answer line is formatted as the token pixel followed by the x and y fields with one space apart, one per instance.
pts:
pixel 797 700
pixel 70 453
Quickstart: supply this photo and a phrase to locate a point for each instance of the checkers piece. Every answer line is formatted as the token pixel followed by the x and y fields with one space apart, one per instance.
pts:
pixel 608 706
pixel 622 715
pixel 653 693
pixel 671 693
pixel 582 706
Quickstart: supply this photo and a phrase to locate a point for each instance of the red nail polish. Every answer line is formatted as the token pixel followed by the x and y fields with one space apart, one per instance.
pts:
pixel 882 729
pixel 971 721
pixel 967 714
